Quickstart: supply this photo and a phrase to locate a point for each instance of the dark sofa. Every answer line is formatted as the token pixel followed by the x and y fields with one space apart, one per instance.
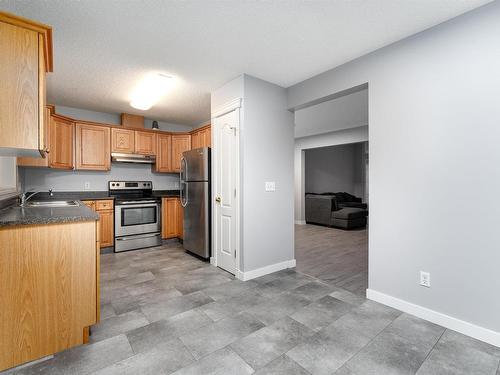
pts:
pixel 342 210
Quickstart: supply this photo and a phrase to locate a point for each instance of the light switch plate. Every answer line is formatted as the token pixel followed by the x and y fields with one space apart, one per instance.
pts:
pixel 270 186
pixel 86 186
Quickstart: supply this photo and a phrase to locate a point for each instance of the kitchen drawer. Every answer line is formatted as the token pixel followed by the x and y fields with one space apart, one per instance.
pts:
pixel 104 205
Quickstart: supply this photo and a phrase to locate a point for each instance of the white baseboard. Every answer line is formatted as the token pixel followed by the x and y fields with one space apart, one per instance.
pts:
pixel 300 222
pixel 212 261
pixel 249 275
pixel 469 329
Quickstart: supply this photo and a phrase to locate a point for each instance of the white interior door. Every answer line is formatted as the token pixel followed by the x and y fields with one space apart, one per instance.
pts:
pixel 226 205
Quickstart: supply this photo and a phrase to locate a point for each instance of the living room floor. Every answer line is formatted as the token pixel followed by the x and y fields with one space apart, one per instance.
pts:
pixel 166 312
pixel 338 257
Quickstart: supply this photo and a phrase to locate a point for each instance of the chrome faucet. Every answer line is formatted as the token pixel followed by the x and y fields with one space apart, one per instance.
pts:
pixel 25 197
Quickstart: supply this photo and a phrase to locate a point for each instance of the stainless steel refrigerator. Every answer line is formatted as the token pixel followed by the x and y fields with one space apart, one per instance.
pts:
pixel 195 199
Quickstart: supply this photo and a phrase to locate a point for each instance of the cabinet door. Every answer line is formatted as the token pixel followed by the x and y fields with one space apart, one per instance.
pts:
pixel 145 143
pixel 92 147
pixel 61 143
pixel 122 141
pixel 19 101
pixel 180 143
pixel 195 140
pixel 164 153
pixel 169 218
pixel 43 111
pixel 107 227
pixel 208 137
pixel 179 218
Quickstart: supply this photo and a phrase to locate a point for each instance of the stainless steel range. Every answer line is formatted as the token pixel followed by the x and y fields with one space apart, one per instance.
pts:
pixel 137 215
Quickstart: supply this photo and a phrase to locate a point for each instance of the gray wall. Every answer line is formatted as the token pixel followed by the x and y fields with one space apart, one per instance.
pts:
pixel 267 141
pixel 63 180
pixel 114 118
pixel 336 168
pixel 349 111
pixel 266 150
pixel 434 164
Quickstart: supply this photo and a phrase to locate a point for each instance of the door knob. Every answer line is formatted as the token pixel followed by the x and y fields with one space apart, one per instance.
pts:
pixel 217 199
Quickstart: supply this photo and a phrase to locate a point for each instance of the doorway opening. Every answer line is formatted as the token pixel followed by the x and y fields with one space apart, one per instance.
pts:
pixel 332 192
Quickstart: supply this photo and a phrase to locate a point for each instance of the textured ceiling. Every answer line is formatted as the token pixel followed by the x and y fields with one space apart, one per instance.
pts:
pixel 102 48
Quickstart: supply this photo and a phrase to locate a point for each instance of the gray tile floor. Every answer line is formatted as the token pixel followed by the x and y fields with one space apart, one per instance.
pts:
pixel 166 312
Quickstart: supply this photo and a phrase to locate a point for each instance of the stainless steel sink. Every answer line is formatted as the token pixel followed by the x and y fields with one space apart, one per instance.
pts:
pixel 51 204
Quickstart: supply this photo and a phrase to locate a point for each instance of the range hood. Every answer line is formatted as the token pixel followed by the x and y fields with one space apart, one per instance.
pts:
pixel 133 158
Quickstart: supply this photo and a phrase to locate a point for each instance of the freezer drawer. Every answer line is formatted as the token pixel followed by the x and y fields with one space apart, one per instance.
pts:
pixel 137 242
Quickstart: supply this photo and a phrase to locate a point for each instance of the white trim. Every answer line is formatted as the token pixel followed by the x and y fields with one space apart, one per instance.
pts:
pixel 469 329
pixel 300 222
pixel 227 107
pixel 249 275
pixel 233 105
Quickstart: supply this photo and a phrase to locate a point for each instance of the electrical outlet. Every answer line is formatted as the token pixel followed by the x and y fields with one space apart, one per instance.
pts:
pixel 86 186
pixel 270 186
pixel 425 279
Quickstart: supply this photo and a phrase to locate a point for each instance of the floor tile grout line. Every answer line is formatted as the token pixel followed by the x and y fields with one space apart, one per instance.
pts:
pixel 368 343
pixel 430 351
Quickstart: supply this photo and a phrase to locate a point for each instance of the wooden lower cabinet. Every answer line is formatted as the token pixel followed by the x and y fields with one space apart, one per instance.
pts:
pixel 49 289
pixel 107 227
pixel 171 218
pixel 105 209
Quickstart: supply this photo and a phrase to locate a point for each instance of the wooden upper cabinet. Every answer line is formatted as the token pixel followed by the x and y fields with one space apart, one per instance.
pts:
pixel 25 58
pixel 208 136
pixel 61 143
pixel 195 140
pixel 92 147
pixel 164 153
pixel 205 137
pixel 145 143
pixel 180 143
pixel 122 141
pixel 201 137
pixel 43 159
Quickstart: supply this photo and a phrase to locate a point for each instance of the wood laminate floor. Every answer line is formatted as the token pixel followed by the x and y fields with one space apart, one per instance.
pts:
pixel 336 256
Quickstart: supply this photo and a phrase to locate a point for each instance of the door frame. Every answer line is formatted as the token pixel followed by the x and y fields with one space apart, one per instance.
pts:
pixel 233 105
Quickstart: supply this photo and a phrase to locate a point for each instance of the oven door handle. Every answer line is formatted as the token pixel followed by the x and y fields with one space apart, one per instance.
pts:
pixel 137 205
pixel 135 202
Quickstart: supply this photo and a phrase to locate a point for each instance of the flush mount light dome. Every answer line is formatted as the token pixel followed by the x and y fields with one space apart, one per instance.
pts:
pixel 150 90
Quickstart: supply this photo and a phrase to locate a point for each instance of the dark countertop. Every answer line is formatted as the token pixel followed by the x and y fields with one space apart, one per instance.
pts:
pixel 16 215
pixel 93 195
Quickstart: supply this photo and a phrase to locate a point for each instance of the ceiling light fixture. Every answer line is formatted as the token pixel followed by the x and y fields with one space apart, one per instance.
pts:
pixel 150 90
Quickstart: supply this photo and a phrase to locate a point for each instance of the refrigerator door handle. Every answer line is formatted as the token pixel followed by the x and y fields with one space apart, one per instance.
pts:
pixel 184 197
pixel 183 173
